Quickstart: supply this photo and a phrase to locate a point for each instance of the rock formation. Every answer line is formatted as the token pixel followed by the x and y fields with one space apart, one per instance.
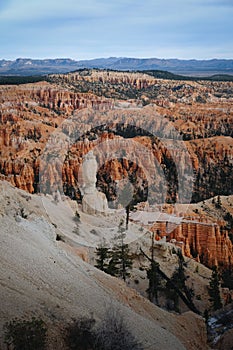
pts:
pixel 206 242
pixel 93 201
pixel 30 113
pixel 76 105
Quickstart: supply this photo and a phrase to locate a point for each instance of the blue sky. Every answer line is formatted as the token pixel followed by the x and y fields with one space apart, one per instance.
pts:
pixel 200 29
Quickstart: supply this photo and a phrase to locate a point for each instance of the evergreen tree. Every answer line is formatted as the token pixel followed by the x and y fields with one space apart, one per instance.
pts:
pixel 227 277
pixel 125 260
pixel 103 254
pixel 179 280
pixel 206 316
pixel 171 286
pixel 112 268
pixel 154 282
pixel 116 261
pixel 121 259
pixel 219 203
pixel 153 277
pixel 214 291
pixel 126 198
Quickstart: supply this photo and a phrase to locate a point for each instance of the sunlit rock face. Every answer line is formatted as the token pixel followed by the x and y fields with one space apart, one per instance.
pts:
pixel 200 111
pixel 205 242
pixel 93 201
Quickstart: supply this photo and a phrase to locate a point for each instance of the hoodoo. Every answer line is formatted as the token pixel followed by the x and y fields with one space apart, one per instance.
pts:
pixel 93 201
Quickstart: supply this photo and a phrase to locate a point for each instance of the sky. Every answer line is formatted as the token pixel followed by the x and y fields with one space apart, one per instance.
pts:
pixel 85 29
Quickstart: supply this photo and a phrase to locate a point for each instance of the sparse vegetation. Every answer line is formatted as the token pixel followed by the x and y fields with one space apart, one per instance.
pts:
pixel 178 279
pixel 23 213
pixel 77 221
pixel 111 333
pixel 218 204
pixel 214 291
pixel 103 254
pixel 22 334
pixel 154 278
pixel 77 217
pixel 175 286
pixel 120 256
pixel 229 219
pixel 80 334
pixel 227 278
pixel 118 260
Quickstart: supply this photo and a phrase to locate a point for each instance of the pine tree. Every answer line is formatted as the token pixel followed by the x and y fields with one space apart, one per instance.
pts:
pixel 154 283
pixel 219 203
pixel 227 278
pixel 116 261
pixel 179 279
pixel 125 260
pixel 126 198
pixel 112 268
pixel 214 291
pixel 153 277
pixel 121 259
pixel 103 254
pixel 171 285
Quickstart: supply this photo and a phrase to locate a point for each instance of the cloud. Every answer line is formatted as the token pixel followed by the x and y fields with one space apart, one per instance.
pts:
pixel 19 10
pixel 195 28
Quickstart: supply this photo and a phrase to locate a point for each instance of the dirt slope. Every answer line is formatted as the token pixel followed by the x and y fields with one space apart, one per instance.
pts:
pixel 39 277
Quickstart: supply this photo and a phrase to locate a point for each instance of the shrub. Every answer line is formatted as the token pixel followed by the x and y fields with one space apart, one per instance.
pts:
pixel 76 217
pixel 23 214
pixel 80 334
pixel 113 334
pixel 25 334
pixel 94 232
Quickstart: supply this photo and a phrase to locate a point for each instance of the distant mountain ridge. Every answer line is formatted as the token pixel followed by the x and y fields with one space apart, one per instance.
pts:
pixel 27 66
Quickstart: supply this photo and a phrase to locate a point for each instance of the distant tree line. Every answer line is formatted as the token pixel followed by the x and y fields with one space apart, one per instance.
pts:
pixel 16 80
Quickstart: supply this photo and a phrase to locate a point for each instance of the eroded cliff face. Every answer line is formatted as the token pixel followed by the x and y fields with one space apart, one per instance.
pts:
pixel 144 87
pixel 46 129
pixel 29 114
pixel 208 243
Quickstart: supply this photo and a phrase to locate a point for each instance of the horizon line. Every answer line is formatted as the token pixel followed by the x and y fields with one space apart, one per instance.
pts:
pixel 115 57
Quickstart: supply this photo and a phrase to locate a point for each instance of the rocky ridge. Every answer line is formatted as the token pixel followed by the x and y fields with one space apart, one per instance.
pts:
pixel 35 116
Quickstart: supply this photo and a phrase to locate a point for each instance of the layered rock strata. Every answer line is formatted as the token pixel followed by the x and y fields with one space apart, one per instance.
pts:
pixel 206 242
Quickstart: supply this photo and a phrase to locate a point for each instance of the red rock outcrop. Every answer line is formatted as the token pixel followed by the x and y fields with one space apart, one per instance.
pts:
pixel 30 114
pixel 206 242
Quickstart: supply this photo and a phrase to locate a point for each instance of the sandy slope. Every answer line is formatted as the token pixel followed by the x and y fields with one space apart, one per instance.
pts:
pixel 39 277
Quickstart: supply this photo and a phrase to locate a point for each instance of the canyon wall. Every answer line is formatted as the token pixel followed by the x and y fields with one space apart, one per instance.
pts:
pixel 30 114
pixel 206 242
pixel 47 128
